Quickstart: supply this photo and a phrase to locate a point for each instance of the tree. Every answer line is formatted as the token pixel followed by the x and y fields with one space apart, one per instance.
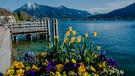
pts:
pixel 23 16
pixel 16 16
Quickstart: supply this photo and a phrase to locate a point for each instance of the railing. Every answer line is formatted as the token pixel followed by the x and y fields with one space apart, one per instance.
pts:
pixel 28 28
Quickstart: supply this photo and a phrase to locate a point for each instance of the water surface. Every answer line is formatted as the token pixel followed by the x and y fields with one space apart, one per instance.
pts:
pixel 117 38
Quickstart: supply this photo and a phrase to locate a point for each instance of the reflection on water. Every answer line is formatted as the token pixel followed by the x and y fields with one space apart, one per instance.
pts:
pixel 24 46
pixel 117 38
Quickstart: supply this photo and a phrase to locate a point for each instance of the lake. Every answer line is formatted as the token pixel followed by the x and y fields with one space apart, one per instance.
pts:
pixel 117 39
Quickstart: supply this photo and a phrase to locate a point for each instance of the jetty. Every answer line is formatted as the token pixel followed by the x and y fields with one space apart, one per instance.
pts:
pixel 39 27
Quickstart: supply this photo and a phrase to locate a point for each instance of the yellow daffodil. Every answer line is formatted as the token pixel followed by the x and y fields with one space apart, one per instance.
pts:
pixel 20 74
pixel 86 35
pixel 68 33
pixel 95 75
pixel 92 68
pixel 10 71
pixel 28 67
pixel 95 56
pixel 66 40
pixel 100 66
pixel 19 65
pixel 64 75
pixel 104 64
pixel 87 59
pixel 72 39
pixel 98 47
pixel 58 73
pixel 35 67
pixel 81 68
pixel 43 54
pixel 70 28
pixel 12 66
pixel 74 61
pixel 56 37
pixel 71 73
pixel 78 39
pixel 85 74
pixel 15 62
pixel 59 67
pixel 44 63
pixel 66 60
pixel 74 32
pixel 52 73
pixel 20 71
pixel 95 34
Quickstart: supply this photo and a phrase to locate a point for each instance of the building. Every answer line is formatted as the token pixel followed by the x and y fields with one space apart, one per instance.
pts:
pixel 11 19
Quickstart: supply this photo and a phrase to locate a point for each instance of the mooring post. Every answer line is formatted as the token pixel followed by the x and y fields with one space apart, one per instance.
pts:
pixel 42 23
pixel 56 27
pixel 53 28
pixel 44 27
pixel 48 28
pixel 31 37
pixel 15 38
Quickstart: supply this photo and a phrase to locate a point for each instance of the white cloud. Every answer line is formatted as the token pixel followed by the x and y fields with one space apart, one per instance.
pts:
pixel 112 6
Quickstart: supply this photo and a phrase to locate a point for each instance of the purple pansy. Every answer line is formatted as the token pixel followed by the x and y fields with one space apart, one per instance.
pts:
pixel 112 62
pixel 29 72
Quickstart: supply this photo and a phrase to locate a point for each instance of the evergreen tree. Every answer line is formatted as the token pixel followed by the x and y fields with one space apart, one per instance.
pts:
pixel 16 16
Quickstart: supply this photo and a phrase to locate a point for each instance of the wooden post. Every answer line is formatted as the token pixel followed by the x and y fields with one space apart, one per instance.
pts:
pixel 53 28
pixel 28 36
pixel 56 27
pixel 48 28
pixel 15 38
pixel 31 37
pixel 42 23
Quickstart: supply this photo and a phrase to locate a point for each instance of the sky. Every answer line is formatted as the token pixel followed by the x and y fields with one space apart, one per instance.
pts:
pixel 88 5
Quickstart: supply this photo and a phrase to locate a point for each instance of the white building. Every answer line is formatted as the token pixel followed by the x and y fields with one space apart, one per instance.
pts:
pixel 11 19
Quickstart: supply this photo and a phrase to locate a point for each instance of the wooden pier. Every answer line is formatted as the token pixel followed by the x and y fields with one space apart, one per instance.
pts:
pixel 40 27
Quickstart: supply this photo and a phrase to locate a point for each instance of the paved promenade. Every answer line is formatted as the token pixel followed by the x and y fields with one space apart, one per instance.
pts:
pixel 5 53
pixel 2 34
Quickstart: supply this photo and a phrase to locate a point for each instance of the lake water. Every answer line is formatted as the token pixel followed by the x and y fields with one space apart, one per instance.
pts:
pixel 117 38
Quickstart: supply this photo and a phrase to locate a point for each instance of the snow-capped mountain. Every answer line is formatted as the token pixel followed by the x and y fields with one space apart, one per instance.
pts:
pixel 53 12
pixel 121 13
pixel 97 13
pixel 30 5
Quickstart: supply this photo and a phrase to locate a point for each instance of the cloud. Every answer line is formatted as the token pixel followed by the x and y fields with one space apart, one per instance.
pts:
pixel 120 4
pixel 112 6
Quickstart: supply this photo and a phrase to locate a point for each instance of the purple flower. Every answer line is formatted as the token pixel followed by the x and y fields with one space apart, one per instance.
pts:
pixel 112 62
pixel 102 57
pixel 71 66
pixel 29 72
pixel 50 66
pixel 49 56
pixel 29 57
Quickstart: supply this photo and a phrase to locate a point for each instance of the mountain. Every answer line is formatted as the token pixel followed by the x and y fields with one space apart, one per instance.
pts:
pixel 122 13
pixel 4 12
pixel 40 11
pixel 97 13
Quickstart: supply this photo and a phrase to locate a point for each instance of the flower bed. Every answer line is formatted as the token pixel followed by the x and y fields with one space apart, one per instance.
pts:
pixel 71 57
